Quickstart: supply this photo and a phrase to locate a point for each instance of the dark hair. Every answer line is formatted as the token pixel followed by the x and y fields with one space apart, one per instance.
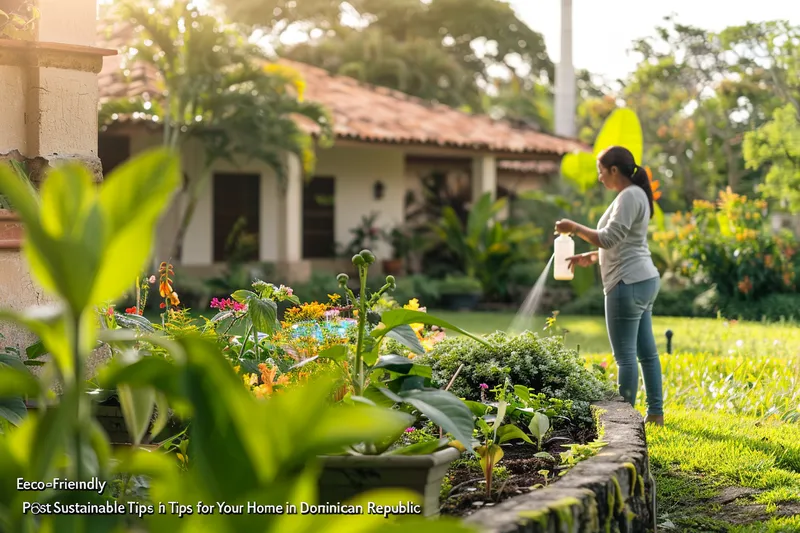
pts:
pixel 622 158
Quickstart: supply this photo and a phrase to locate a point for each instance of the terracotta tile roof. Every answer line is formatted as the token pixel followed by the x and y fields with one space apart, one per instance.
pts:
pixel 529 167
pixel 366 113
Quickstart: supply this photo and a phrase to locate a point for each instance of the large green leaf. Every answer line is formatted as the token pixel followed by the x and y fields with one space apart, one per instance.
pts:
pixel 132 200
pixel 263 312
pixel 621 128
pixel 445 410
pixel 13 410
pixel 16 380
pixel 406 336
pixel 399 317
pixel 403 365
pixel 48 324
pixel 509 432
pixel 580 169
pixel 137 405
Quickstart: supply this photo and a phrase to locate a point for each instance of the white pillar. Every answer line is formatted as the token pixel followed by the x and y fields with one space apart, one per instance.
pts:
pixel 565 77
pixel 484 176
pixel 292 213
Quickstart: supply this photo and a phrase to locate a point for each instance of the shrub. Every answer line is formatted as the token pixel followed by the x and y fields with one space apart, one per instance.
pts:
pixel 423 288
pixel 730 245
pixel 770 308
pixel 460 285
pixel 542 363
pixel 590 303
pixel 678 302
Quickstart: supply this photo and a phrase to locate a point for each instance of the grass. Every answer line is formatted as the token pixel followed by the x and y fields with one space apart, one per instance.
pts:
pixel 728 459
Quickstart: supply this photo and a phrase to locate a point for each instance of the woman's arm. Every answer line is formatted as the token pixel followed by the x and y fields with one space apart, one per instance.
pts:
pixel 587 234
pixel 619 224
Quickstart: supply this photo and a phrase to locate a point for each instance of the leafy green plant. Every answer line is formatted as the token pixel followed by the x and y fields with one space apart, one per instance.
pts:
pixel 393 380
pixel 84 244
pixel 731 245
pixel 493 436
pixel 542 363
pixel 457 285
pixel 579 452
pixel 487 248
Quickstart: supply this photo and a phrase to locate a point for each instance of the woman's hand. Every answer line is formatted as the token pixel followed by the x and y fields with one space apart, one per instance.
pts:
pixel 582 260
pixel 566 226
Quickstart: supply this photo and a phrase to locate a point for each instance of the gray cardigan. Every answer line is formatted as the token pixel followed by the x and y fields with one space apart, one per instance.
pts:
pixel 622 231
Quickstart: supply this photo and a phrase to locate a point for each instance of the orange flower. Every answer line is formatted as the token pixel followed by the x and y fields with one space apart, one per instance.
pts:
pixel 745 286
pixel 268 378
pixel 653 184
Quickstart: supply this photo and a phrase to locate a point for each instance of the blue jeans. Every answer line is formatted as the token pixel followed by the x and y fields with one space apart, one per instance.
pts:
pixel 629 311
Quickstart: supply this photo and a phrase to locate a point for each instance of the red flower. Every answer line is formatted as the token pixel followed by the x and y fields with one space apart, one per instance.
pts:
pixel 163 305
pixel 131 311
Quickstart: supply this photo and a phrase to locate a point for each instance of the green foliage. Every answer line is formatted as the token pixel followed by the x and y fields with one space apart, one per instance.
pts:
pixel 422 48
pixel 774 307
pixel 621 128
pixel 238 447
pixel 544 365
pixel 218 89
pixel 776 145
pixel 487 248
pixel 732 247
pixel 456 285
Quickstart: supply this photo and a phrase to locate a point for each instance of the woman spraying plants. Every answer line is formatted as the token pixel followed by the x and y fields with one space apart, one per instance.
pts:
pixel 630 279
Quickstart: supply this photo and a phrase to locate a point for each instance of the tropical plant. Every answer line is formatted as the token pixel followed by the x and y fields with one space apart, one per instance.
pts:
pixel 731 245
pixel 393 380
pixel 487 248
pixel 83 244
pixel 217 89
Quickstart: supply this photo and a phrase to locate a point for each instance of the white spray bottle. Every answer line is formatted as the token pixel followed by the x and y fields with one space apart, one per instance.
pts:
pixel 564 249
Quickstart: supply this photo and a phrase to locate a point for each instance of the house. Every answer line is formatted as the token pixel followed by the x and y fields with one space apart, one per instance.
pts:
pixel 386 143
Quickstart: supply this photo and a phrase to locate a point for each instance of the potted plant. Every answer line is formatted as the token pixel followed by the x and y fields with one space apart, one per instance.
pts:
pixel 396 383
pixel 10 224
pixel 400 243
pixel 460 293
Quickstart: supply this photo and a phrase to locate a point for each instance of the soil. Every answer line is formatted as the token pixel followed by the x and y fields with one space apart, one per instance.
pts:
pixel 468 493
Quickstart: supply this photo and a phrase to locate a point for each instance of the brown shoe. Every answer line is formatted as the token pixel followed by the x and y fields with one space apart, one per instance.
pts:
pixel 658 420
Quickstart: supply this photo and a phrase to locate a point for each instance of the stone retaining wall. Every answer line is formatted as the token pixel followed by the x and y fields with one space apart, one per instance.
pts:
pixel 610 492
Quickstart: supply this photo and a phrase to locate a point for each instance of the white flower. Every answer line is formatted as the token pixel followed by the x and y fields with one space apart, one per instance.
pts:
pixel 739 343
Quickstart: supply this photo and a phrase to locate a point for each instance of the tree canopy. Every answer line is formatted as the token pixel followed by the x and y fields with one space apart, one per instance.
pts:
pixel 436 50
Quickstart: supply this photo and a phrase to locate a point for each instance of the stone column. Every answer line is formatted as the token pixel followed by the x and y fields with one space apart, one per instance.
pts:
pixel 484 176
pixel 292 267
pixel 48 101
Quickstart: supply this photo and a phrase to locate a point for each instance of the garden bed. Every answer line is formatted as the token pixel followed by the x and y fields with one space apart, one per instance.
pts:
pixel 612 491
pixel 518 473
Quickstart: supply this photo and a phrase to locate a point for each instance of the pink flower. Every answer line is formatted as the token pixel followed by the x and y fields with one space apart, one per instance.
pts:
pixel 409 430
pixel 604 364
pixel 227 304
pixel 484 386
pixel 331 313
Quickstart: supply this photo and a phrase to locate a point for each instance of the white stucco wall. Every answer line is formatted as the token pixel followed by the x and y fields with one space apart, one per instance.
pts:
pixel 355 171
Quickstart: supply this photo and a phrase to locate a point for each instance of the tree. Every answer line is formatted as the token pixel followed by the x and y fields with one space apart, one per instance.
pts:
pixel 478 37
pixel 776 145
pixel 215 89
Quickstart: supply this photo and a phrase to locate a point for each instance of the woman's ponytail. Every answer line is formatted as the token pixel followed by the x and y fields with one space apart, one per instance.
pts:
pixel 640 178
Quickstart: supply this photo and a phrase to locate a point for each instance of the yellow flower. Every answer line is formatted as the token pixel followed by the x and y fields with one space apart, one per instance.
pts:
pixel 413 304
